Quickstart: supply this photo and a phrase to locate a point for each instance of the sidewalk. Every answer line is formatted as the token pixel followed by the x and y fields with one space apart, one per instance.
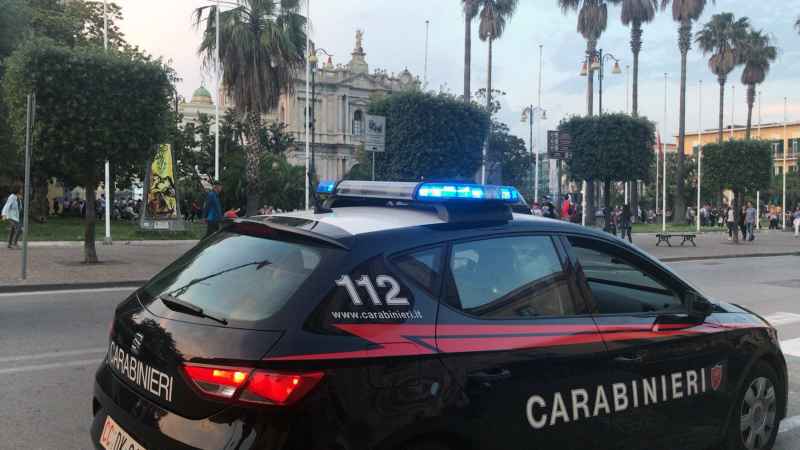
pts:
pixel 58 264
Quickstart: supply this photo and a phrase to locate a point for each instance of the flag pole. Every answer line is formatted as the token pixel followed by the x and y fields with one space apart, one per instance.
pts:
pixel 107 240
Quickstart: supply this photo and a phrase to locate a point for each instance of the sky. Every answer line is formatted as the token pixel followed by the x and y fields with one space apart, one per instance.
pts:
pixel 394 39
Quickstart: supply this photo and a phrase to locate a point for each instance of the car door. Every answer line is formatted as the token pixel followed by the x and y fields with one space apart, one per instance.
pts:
pixel 516 335
pixel 667 370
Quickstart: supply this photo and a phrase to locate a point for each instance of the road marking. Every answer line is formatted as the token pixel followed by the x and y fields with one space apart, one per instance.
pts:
pixel 789 423
pixel 6 359
pixel 782 318
pixel 66 291
pixel 79 363
pixel 791 347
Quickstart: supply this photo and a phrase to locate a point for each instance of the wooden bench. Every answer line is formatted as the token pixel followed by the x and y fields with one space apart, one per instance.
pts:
pixel 665 237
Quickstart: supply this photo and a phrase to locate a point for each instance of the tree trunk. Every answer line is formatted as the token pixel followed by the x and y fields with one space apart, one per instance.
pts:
pixel 679 203
pixel 491 170
pixel 253 153
pixel 607 193
pixel 751 99
pixel 467 57
pixel 89 251
pixel 721 80
pixel 636 47
pixel 39 207
pixel 590 49
pixel 589 203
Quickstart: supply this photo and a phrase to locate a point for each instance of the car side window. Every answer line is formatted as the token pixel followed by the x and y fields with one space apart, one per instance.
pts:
pixel 618 284
pixel 510 278
pixel 423 266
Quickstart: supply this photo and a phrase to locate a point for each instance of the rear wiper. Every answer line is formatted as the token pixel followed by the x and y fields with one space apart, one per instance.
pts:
pixel 176 304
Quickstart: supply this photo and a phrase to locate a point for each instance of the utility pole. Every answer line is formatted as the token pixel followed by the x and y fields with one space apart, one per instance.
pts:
pixel 664 181
pixel 533 148
pixel 219 95
pixel 427 30
pixel 785 159
pixel 29 122
pixel 699 148
pixel 308 105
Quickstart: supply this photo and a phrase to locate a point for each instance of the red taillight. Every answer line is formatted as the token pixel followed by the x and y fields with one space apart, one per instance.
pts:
pixel 252 386
pixel 279 388
pixel 216 381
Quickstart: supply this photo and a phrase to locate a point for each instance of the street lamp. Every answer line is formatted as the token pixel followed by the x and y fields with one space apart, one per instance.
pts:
pixel 528 114
pixel 312 61
pixel 596 61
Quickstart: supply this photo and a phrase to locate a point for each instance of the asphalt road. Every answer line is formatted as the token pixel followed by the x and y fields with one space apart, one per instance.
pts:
pixel 51 344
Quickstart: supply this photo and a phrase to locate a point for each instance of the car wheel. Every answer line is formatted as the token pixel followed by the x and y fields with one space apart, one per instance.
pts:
pixel 755 416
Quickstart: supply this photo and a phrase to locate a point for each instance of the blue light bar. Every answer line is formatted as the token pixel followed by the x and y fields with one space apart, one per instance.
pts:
pixel 436 192
pixel 326 187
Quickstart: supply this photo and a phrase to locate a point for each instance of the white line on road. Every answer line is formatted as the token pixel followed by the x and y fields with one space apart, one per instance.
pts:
pixel 87 351
pixel 79 363
pixel 782 318
pixel 66 291
pixel 789 423
pixel 791 347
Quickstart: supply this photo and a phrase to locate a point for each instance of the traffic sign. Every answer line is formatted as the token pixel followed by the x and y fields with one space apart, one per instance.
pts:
pixel 558 144
pixel 376 134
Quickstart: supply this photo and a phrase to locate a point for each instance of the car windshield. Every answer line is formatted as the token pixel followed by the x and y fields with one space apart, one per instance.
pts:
pixel 238 277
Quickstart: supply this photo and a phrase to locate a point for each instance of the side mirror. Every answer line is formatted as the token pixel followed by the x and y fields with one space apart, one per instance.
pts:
pixel 698 307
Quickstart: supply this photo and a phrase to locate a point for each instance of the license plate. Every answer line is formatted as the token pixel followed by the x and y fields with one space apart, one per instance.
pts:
pixel 115 438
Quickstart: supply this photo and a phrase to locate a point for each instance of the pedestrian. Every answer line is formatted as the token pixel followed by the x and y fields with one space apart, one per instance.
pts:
pixel 12 211
pixel 537 210
pixel 625 223
pixel 689 216
pixel 742 224
pixel 796 216
pixel 213 212
pixel 750 221
pixel 730 218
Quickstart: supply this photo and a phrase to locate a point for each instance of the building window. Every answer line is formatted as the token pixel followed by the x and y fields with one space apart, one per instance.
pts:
pixel 358 123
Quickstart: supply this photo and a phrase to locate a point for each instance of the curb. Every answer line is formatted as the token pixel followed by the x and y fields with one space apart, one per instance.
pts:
pixel 704 258
pixel 69 286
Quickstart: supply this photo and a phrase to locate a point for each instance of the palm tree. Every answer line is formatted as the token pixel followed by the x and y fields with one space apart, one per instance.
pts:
pixel 262 47
pixel 592 21
pixel 470 8
pixel 494 14
pixel 722 37
pixel 757 53
pixel 635 13
pixel 685 12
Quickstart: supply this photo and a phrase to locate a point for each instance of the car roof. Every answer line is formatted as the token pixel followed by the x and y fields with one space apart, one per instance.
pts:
pixel 355 220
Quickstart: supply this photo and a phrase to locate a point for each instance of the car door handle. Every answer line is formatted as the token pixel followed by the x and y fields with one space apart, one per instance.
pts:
pixel 629 360
pixel 491 375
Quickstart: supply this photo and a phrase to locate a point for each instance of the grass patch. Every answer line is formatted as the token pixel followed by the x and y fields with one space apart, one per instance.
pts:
pixel 72 228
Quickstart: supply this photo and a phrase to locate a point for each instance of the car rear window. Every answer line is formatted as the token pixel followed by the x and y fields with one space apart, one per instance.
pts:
pixel 239 277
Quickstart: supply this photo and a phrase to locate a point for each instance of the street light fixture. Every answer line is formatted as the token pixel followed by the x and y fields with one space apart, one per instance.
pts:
pixel 598 59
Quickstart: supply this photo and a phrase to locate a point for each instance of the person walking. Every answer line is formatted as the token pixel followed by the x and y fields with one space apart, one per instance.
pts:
pixel 12 211
pixel 625 222
pixel 796 222
pixel 213 212
pixel 750 221
pixel 730 219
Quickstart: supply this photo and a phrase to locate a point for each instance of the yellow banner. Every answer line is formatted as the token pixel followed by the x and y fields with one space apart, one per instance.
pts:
pixel 162 202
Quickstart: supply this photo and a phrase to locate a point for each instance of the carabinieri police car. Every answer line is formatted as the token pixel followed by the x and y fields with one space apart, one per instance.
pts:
pixel 428 316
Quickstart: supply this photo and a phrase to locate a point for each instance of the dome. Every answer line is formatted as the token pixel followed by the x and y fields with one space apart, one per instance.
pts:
pixel 201 95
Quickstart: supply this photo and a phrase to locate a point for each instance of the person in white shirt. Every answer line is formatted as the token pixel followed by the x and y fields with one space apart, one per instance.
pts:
pixel 12 211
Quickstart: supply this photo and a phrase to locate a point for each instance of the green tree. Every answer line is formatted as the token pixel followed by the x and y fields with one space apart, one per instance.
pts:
pixel 494 15
pixel 77 118
pixel 513 156
pixel 722 37
pixel 427 136
pixel 262 47
pixel 685 12
pixel 609 148
pixel 470 9
pixel 757 55
pixel 744 167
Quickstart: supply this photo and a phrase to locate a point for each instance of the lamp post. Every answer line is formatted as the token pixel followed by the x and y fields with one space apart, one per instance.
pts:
pixel 598 59
pixel 312 60
pixel 528 114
